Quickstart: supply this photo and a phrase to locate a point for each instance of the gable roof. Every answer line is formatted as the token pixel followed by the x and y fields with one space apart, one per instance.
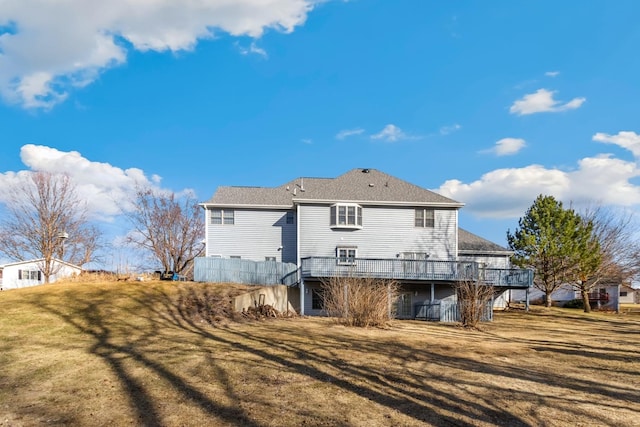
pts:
pixel 35 261
pixel 358 185
pixel 471 243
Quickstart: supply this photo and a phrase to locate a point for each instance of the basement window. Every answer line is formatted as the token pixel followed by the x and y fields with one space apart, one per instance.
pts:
pixel 345 215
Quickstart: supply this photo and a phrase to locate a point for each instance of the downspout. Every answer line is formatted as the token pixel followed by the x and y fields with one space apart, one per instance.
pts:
pixel 298 261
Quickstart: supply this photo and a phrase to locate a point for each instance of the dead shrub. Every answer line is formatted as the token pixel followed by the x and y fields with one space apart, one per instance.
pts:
pixel 473 298
pixel 360 302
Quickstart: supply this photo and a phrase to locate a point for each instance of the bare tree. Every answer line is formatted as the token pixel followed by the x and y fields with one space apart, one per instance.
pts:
pixel 473 300
pixel 170 228
pixel 46 220
pixel 617 251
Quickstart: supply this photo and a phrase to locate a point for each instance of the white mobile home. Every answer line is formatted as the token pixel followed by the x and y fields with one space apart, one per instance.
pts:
pixel 23 274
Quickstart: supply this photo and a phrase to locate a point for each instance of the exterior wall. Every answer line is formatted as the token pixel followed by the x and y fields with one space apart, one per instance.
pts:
pixel 386 232
pixel 536 296
pixel 255 235
pixel 630 297
pixel 282 298
pixel 416 294
pixel 490 261
pixel 10 276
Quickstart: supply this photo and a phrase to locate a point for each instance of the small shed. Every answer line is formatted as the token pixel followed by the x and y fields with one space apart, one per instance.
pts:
pixel 22 274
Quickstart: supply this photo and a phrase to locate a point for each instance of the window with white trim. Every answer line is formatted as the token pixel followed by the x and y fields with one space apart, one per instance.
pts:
pixel 222 216
pixel 346 255
pixel 29 275
pixel 345 215
pixel 425 218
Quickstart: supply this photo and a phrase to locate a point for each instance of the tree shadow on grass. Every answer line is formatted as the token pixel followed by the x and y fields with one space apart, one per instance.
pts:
pixel 427 385
pixel 89 321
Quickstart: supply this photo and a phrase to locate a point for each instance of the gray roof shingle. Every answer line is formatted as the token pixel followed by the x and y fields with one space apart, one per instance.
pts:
pixel 358 185
pixel 469 242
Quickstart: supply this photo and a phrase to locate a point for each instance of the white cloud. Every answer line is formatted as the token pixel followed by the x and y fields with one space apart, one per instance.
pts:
pixel 507 193
pixel 252 49
pixel 628 140
pixel 349 132
pixel 542 102
pixel 446 130
pixel 391 133
pixel 103 186
pixel 306 141
pixel 54 46
pixel 552 73
pixel 508 146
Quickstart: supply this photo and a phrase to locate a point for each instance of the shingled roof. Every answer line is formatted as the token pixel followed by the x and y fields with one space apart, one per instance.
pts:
pixel 471 243
pixel 357 185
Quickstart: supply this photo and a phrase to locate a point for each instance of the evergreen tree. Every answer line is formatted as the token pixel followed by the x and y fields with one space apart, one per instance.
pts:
pixel 556 243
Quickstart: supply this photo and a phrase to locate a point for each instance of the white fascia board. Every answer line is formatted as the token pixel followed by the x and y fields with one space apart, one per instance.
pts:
pixel 379 203
pixel 244 206
pixel 469 252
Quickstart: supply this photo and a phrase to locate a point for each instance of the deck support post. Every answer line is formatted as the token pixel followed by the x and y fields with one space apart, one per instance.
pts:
pixel 302 291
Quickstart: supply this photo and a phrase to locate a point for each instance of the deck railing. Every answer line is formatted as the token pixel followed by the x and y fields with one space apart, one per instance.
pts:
pixel 409 269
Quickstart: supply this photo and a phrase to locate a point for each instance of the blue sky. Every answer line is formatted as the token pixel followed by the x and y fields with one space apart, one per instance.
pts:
pixel 489 103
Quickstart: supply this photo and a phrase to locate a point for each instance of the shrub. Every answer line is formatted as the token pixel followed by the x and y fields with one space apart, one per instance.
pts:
pixel 360 301
pixel 473 298
pixel 574 303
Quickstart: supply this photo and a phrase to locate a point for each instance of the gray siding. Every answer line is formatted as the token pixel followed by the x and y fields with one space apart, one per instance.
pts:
pixel 255 234
pixel 386 232
pixel 489 261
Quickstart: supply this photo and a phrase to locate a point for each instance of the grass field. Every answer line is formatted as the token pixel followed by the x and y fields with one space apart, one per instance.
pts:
pixel 97 354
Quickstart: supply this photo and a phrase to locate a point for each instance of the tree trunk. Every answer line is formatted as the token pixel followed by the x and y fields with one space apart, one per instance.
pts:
pixel 547 299
pixel 585 300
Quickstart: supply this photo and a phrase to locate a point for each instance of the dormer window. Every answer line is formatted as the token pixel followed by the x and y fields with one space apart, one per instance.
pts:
pixel 345 215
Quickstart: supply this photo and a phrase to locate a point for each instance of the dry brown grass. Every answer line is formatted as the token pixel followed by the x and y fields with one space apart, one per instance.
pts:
pixel 128 354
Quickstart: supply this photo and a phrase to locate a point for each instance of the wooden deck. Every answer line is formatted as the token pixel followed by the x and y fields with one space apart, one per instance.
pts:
pixel 415 270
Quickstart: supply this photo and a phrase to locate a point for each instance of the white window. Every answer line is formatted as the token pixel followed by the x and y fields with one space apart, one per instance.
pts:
pixel 345 215
pixel 222 216
pixel 425 217
pixel 29 275
pixel 346 255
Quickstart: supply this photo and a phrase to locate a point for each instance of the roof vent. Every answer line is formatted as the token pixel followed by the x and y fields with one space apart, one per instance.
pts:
pixel 365 170
pixel 371 184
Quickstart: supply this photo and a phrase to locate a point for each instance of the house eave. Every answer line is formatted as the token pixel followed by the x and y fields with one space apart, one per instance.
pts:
pixel 481 252
pixel 379 203
pixel 244 206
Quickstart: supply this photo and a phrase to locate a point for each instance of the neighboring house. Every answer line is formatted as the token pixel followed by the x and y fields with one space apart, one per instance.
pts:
pixel 605 296
pixel 363 223
pixel 629 295
pixel 23 274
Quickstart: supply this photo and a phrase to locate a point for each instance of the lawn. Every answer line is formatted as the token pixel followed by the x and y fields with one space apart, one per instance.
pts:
pixel 129 353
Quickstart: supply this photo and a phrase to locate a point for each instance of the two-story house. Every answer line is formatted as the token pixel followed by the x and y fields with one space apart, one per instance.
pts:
pixel 362 223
